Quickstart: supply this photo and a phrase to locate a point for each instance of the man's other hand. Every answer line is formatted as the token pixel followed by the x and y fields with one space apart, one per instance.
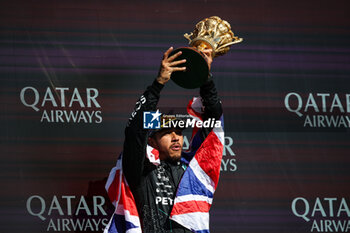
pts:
pixel 208 55
pixel 168 66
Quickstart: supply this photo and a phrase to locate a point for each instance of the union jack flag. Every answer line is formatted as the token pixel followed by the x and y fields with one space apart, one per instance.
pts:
pixel 125 218
pixel 196 189
pixel 197 186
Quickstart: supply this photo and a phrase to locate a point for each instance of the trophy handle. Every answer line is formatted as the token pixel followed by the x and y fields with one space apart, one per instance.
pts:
pixel 188 36
pixel 231 43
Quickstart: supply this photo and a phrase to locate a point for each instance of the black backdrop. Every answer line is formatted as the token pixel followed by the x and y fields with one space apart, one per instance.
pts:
pixel 284 90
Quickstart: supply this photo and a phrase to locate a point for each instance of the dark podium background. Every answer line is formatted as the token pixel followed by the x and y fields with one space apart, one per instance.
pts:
pixel 285 92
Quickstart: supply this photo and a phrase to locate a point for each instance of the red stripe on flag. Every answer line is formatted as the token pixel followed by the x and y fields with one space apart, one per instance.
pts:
pixel 190 207
pixel 128 199
pixel 209 156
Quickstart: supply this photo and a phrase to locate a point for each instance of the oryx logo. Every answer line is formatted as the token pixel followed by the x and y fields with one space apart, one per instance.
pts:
pixel 151 120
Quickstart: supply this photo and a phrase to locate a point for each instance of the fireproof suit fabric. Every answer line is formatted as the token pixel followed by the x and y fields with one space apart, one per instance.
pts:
pixel 154 187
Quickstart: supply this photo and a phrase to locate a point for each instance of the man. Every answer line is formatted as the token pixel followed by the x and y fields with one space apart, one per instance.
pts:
pixel 154 187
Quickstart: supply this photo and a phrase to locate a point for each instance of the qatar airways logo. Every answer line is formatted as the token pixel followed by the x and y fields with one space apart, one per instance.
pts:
pixel 69 213
pixel 328 214
pixel 320 110
pixel 63 104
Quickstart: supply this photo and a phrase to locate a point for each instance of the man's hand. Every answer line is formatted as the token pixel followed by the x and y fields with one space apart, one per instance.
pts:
pixel 208 55
pixel 168 66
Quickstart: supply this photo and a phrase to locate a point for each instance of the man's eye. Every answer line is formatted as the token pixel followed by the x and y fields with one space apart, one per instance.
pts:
pixel 179 133
pixel 166 132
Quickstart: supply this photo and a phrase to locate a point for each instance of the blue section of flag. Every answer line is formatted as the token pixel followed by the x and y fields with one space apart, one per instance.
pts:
pixel 203 231
pixel 222 121
pixel 190 184
pixel 196 142
pixel 120 225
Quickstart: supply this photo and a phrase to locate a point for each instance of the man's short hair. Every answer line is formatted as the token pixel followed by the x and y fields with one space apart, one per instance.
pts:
pixel 165 121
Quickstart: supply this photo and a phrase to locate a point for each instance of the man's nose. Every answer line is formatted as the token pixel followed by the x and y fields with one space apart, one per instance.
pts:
pixel 174 136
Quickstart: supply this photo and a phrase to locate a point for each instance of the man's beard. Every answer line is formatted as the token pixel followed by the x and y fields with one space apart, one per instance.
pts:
pixel 173 159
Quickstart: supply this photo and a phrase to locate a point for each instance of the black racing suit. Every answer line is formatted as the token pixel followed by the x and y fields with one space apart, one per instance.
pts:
pixel 154 187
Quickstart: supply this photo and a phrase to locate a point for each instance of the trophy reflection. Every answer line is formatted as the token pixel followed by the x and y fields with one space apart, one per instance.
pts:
pixel 210 33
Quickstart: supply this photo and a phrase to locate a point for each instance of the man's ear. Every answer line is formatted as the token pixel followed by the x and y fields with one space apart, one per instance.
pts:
pixel 152 142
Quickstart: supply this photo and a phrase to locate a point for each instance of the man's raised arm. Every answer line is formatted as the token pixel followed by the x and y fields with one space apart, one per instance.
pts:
pixel 210 99
pixel 136 136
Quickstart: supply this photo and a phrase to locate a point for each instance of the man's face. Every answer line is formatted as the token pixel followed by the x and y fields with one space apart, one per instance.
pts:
pixel 169 143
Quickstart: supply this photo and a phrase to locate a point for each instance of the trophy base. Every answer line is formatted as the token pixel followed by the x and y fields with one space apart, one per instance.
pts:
pixel 197 70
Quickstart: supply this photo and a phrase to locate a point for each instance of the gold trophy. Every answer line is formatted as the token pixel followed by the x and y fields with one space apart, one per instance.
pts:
pixel 212 32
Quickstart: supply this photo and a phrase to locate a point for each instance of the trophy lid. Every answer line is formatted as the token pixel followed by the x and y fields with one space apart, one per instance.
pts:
pixel 215 32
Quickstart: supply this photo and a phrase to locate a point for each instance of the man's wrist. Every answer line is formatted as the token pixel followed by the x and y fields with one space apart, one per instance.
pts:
pixel 157 85
pixel 208 83
pixel 161 80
